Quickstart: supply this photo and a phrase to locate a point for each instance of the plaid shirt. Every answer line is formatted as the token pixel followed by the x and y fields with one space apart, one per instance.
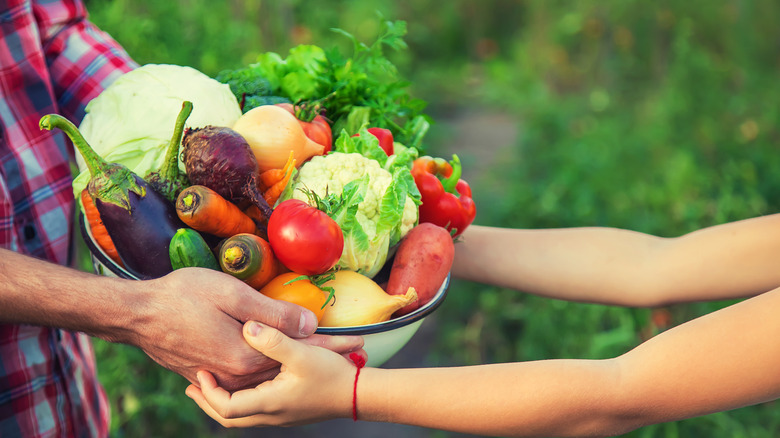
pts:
pixel 52 60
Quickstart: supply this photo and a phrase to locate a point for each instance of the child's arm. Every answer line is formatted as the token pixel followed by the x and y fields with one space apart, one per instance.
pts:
pixel 721 361
pixel 614 266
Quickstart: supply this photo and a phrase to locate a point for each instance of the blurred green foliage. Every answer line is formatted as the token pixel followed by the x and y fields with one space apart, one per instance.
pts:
pixel 660 117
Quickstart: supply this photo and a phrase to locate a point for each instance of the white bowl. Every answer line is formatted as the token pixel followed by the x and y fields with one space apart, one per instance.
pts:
pixel 381 340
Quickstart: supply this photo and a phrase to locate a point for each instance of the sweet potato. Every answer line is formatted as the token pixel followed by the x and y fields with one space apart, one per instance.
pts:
pixel 423 260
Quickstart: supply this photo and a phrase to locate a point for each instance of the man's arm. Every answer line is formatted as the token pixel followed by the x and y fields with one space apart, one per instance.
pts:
pixel 614 266
pixel 188 320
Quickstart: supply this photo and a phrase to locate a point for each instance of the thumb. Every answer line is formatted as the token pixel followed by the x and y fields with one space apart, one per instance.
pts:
pixel 292 319
pixel 273 343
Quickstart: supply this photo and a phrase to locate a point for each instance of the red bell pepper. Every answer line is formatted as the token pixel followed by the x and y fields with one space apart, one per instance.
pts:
pixel 446 199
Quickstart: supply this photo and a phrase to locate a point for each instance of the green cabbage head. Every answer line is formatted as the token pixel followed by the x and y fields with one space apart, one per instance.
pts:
pixel 132 121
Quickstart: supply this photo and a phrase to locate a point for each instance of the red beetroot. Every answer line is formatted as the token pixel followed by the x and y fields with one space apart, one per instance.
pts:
pixel 220 158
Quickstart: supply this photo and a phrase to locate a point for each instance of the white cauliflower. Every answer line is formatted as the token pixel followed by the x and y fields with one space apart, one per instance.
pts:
pixel 376 212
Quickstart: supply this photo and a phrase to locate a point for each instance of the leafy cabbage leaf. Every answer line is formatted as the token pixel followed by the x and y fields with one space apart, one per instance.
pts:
pixel 132 120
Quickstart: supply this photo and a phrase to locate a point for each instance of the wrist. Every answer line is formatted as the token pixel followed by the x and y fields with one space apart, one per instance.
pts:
pixel 372 395
pixel 37 292
pixel 125 312
pixel 41 293
pixel 104 307
pixel 360 361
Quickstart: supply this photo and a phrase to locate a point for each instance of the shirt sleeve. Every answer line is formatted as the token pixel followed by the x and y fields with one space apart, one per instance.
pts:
pixel 82 59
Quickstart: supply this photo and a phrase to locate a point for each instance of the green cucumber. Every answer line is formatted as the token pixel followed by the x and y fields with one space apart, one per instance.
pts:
pixel 188 249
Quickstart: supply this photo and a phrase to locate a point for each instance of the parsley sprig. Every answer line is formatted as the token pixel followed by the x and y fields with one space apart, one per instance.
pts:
pixel 363 88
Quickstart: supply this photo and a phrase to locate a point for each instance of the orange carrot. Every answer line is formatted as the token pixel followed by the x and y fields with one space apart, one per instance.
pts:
pixel 205 210
pixel 249 258
pixel 272 195
pixel 260 219
pixel 98 230
pixel 272 176
pixel 273 181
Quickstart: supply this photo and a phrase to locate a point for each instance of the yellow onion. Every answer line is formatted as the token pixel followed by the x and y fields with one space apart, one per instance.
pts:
pixel 272 132
pixel 360 301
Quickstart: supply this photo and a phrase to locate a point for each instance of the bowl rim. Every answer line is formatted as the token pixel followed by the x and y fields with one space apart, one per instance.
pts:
pixel 98 252
pixel 394 323
pixel 367 329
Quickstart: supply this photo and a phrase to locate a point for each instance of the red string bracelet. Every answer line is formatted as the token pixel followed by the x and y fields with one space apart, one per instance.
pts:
pixel 360 362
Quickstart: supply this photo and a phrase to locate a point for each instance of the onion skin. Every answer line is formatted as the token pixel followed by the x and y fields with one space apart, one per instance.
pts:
pixel 358 300
pixel 316 128
pixel 272 132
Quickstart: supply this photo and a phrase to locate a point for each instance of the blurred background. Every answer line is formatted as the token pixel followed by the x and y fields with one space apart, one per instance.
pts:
pixel 658 116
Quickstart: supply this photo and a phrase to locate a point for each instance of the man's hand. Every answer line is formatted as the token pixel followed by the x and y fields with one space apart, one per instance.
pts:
pixel 192 320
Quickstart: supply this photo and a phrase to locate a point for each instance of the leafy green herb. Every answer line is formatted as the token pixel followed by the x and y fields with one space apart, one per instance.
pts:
pixel 250 87
pixel 363 89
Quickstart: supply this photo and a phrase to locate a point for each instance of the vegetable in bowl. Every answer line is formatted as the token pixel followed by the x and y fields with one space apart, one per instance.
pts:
pixel 368 190
pixel 375 202
pixel 131 121
pixel 350 89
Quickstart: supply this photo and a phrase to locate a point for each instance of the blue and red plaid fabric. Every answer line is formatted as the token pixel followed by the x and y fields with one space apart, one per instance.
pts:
pixel 52 60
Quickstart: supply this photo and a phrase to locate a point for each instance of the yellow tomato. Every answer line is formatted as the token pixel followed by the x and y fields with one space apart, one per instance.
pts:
pixel 301 292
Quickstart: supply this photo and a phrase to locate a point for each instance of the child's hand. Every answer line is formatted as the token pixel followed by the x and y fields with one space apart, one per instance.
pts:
pixel 314 384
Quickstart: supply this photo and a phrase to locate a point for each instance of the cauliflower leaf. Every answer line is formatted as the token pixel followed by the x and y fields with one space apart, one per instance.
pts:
pixel 372 206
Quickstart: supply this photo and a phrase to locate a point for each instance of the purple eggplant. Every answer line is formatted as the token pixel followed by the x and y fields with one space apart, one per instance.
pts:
pixel 140 221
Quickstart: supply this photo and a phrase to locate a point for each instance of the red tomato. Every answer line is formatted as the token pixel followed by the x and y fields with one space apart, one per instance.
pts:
pixel 305 239
pixel 318 130
pixel 385 137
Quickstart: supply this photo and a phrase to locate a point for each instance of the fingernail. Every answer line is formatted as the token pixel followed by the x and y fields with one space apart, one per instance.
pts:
pixel 308 323
pixel 253 328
